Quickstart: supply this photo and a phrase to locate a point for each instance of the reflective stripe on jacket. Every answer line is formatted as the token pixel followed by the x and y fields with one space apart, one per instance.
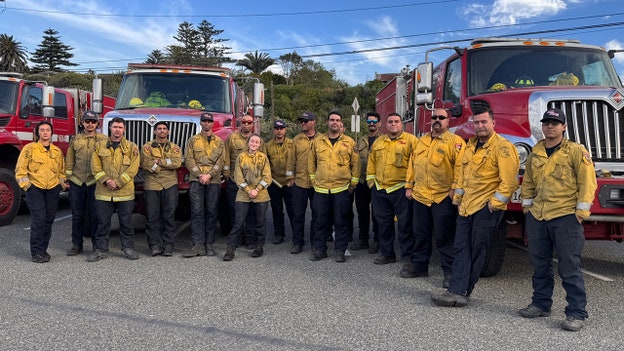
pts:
pixel 252 171
pixel 40 167
pixel 278 157
pixel 120 164
pixel 297 165
pixel 489 174
pixel 235 144
pixel 333 168
pixel 388 161
pixel 434 167
pixel 559 185
pixel 205 157
pixel 78 158
pixel 164 175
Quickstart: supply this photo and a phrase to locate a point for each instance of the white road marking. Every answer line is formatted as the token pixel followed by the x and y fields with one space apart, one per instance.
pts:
pixel 591 274
pixel 55 220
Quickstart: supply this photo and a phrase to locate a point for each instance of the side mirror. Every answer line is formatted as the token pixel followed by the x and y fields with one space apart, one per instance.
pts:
pixel 424 77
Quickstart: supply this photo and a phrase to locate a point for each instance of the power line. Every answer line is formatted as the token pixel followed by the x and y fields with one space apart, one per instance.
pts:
pixel 277 14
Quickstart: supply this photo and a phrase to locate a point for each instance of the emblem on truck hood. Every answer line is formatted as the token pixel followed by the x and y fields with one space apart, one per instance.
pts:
pixel 151 120
pixel 617 97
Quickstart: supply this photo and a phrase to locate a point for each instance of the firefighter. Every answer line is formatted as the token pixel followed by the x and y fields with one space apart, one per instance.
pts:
pixel 298 177
pixel 488 178
pixel 235 144
pixel 557 193
pixel 385 174
pixel 363 192
pixel 82 181
pixel 252 174
pixel 277 151
pixel 431 182
pixel 334 168
pixel 160 158
pixel 114 164
pixel 40 172
pixel 205 156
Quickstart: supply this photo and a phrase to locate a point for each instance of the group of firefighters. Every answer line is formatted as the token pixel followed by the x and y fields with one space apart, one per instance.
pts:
pixel 437 188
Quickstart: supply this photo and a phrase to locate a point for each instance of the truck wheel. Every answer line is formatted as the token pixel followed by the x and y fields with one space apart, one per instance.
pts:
pixel 10 196
pixel 495 254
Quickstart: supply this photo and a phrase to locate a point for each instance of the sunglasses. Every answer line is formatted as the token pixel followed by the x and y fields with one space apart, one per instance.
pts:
pixel 438 117
pixel 247 122
pixel 369 121
pixel 90 121
pixel 303 121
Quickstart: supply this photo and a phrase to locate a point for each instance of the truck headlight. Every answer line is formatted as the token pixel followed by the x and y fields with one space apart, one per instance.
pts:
pixel 523 152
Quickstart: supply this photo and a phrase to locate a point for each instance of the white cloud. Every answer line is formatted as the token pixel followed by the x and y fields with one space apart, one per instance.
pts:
pixel 384 27
pixel 502 12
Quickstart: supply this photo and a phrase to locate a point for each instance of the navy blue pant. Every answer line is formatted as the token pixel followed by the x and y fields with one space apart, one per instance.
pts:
pixel 332 209
pixel 300 198
pixel 440 218
pixel 472 238
pixel 281 197
pixel 84 217
pixel 105 210
pixel 243 209
pixel 363 205
pixel 250 223
pixel 160 225
pixel 385 207
pixel 563 235
pixel 204 212
pixel 42 204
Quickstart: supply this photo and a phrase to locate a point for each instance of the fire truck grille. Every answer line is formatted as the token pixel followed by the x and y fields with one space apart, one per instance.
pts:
pixel 141 132
pixel 595 124
pixel 4 122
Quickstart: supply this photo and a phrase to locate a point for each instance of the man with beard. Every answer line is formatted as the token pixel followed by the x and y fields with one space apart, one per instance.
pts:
pixel 334 171
pixel 488 177
pixel 385 174
pixel 204 160
pixel 82 182
pixel 298 177
pixel 363 192
pixel 431 182
pixel 161 159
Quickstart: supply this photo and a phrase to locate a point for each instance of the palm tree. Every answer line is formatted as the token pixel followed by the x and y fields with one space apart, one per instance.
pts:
pixel 256 62
pixel 13 55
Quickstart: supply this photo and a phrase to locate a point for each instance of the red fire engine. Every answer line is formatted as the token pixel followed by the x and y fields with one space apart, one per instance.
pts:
pixel 519 79
pixel 23 104
pixel 150 93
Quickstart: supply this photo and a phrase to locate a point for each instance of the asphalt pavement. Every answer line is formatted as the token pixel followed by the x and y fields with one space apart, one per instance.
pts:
pixel 279 301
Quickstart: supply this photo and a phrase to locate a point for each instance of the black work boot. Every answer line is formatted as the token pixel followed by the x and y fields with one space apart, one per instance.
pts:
pixel 229 254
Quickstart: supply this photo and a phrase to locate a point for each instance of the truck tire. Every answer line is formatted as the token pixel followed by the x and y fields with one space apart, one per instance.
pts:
pixel 10 196
pixel 495 254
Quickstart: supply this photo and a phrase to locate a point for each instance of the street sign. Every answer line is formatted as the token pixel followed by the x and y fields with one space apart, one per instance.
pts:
pixel 355 105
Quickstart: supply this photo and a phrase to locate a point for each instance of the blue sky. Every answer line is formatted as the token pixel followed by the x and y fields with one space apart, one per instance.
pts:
pixel 108 34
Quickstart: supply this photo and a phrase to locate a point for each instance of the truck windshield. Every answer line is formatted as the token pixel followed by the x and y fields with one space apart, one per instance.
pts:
pixel 190 91
pixel 495 69
pixel 8 97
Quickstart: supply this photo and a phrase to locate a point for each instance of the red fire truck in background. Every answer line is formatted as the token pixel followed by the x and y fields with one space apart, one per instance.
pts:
pixel 519 79
pixel 178 95
pixel 23 104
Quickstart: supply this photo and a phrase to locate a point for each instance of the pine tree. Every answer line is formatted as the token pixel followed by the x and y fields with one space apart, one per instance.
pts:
pixel 52 53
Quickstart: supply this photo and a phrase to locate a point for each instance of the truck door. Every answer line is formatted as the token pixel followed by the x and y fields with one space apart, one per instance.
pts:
pixel 30 112
pixel 61 120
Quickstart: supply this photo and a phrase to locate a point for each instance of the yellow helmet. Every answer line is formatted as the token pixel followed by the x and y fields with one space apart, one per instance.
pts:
pixel 524 81
pixel 498 87
pixel 194 104
pixel 135 101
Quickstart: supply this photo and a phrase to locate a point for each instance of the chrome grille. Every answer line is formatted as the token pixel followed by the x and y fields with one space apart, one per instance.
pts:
pixel 140 132
pixel 595 124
